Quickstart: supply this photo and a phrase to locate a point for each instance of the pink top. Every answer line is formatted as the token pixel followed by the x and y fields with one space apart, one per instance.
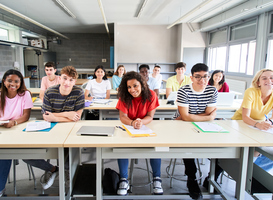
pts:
pixel 224 88
pixel 14 107
pixel 46 83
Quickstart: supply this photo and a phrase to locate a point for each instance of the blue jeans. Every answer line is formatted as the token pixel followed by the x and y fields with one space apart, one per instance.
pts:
pixel 4 172
pixel 264 163
pixel 124 163
pixel 40 163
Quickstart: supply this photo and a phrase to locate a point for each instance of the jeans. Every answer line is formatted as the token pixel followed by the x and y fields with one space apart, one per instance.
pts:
pixel 40 163
pixel 264 163
pixel 124 163
pixel 4 172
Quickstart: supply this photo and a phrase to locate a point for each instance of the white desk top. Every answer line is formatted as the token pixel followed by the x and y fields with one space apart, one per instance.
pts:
pixel 15 137
pixel 34 90
pixel 169 134
pixel 264 138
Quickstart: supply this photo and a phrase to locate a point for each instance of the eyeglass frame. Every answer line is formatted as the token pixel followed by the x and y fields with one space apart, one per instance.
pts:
pixel 199 78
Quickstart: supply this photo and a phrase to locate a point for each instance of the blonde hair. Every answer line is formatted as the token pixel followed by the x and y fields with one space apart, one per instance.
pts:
pixel 256 79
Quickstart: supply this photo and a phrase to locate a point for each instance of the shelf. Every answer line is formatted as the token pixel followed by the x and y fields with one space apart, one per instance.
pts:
pixel 23 45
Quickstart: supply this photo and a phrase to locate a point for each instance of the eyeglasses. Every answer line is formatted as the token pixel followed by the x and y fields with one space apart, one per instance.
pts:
pixel 199 78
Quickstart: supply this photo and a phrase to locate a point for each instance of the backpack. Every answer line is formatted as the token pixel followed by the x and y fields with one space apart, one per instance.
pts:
pixel 110 181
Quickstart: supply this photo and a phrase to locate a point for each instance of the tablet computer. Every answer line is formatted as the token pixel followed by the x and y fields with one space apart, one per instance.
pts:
pixel 96 130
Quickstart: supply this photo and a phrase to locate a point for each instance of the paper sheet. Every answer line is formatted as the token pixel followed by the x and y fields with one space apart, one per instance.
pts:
pixel 36 126
pixel 4 122
pixel 268 131
pixel 144 130
pixel 209 127
pixel 101 101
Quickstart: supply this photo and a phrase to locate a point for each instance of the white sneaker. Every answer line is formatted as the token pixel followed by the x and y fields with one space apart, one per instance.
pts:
pixel 158 190
pixel 47 179
pixel 123 187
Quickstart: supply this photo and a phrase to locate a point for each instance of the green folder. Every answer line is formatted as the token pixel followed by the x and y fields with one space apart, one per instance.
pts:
pixel 210 127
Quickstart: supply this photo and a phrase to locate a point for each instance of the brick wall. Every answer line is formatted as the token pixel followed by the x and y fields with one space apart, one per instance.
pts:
pixel 85 50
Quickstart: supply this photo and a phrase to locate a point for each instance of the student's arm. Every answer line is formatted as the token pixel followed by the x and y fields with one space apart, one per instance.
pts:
pixel 157 92
pixel 42 93
pixel 107 94
pixel 137 124
pixel 168 92
pixel 209 115
pixel 63 116
pixel 23 118
pixel 248 120
pixel 86 95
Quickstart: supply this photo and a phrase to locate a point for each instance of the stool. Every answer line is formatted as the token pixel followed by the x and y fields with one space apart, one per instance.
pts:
pixel 171 175
pixel 150 181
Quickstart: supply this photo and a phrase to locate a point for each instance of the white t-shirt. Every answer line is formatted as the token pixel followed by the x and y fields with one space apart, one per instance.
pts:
pixel 158 78
pixel 98 90
pixel 153 84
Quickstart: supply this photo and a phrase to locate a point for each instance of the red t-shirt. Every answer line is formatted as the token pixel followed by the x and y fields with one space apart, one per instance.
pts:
pixel 224 88
pixel 138 110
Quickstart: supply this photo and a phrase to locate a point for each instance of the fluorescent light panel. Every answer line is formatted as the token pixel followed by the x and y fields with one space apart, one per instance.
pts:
pixel 141 9
pixel 65 8
pixel 104 17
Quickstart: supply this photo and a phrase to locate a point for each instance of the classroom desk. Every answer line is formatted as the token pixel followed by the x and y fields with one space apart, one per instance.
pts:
pixel 34 91
pixel 181 142
pixel 265 140
pixel 17 144
pixel 163 111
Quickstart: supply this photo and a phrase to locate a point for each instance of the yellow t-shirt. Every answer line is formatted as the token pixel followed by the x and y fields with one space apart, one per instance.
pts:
pixel 252 100
pixel 173 83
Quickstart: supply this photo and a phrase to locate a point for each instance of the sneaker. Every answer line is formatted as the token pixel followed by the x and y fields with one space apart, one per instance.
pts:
pixel 48 178
pixel 123 187
pixel 194 190
pixel 158 190
pixel 2 192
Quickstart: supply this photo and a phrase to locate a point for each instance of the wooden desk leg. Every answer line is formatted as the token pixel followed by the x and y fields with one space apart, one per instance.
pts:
pixel 241 184
pixel 61 173
pixel 98 174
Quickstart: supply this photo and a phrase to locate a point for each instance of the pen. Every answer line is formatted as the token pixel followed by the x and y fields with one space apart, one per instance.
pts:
pixel 268 119
pixel 120 128
pixel 196 130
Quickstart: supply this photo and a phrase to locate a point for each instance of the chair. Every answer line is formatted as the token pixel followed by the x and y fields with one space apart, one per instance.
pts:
pixel 173 163
pixel 132 167
pixel 30 172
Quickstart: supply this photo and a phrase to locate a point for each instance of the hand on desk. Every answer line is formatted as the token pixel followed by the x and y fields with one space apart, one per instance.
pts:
pixel 265 125
pixel 10 124
pixel 137 124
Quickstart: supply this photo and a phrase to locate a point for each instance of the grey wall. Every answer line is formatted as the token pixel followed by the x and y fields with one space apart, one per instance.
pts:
pixel 85 50
pixel 7 55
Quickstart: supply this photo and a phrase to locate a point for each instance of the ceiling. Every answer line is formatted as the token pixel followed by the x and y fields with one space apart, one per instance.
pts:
pixel 89 17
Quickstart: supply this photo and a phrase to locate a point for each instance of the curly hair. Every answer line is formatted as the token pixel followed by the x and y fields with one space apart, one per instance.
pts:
pixel 125 96
pixel 4 91
pixel 70 71
pixel 211 81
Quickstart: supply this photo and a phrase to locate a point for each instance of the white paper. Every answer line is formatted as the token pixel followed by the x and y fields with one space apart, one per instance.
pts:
pixel 209 126
pixel 36 126
pixel 101 101
pixel 143 130
pixel 268 131
pixel 4 121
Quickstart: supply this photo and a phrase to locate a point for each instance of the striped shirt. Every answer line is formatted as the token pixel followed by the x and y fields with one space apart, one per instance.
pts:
pixel 197 102
pixel 54 102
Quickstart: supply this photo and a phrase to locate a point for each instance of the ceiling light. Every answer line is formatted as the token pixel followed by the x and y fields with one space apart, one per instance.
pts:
pixel 65 8
pixel 30 20
pixel 104 17
pixel 141 8
pixel 189 13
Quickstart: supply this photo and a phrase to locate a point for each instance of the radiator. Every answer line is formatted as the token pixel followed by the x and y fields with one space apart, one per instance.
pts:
pixel 237 86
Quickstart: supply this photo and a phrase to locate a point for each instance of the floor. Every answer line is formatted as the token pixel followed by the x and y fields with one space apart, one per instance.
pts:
pixel 25 186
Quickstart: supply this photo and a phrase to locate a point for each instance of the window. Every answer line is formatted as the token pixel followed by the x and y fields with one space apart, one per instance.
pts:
pixel 218 37
pixel 269 60
pixel 4 34
pixel 241 58
pixel 217 58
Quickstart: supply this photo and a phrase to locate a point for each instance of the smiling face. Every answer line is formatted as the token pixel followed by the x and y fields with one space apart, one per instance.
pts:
pixel 217 77
pixel 50 71
pixel 134 88
pixel 200 80
pixel 180 70
pixel 99 73
pixel 266 80
pixel 12 83
pixel 121 71
pixel 156 70
pixel 66 84
pixel 145 73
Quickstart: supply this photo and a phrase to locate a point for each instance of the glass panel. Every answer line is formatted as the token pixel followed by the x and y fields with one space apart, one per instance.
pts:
pixel 221 58
pixel 251 58
pixel 245 30
pixel 243 58
pixel 269 62
pixel 218 37
pixel 4 34
pixel 234 58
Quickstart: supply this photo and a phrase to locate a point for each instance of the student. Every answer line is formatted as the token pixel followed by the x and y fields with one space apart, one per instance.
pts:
pixel 50 79
pixel 156 74
pixel 116 79
pixel 62 103
pixel 177 81
pixel 15 106
pixel 196 102
pixel 217 80
pixel 152 83
pixel 136 105
pixel 99 87
pixel 258 102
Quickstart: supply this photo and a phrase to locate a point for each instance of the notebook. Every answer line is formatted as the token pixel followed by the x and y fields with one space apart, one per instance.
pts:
pixel 225 99
pixel 96 130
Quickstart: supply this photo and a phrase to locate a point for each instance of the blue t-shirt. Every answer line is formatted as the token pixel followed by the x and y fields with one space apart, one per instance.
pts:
pixel 116 81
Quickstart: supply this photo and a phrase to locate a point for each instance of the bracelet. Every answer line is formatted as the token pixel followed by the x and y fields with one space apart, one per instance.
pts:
pixel 132 122
pixel 15 123
pixel 256 124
